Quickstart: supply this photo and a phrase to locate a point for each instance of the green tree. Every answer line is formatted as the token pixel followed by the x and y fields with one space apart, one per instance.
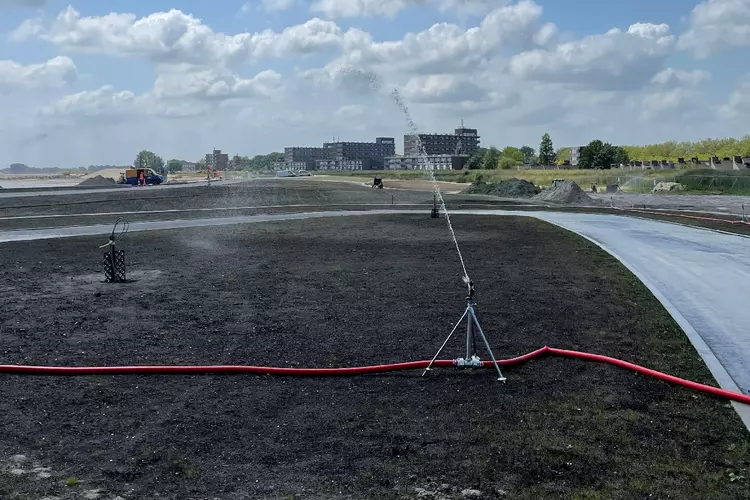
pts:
pixel 546 151
pixel 600 154
pixel 528 154
pixel 513 153
pixel 263 162
pixel 174 166
pixel 477 159
pixel 620 156
pixel 507 163
pixel 147 159
pixel 491 158
pixel 562 154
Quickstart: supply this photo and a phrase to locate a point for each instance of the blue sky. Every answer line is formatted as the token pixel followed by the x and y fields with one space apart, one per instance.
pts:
pixel 95 89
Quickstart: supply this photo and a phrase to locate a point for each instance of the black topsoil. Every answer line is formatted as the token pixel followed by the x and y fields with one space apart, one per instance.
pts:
pixel 348 292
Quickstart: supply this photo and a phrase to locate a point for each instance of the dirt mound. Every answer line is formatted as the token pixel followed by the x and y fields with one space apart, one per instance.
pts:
pixel 511 188
pixel 97 181
pixel 112 173
pixel 567 192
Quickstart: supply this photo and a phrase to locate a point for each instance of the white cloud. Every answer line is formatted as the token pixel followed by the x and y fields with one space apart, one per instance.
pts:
pixel 56 72
pixel 360 8
pixel 509 71
pixel 545 34
pixel 174 94
pixel 389 8
pixel 176 37
pixel 446 47
pixel 107 103
pixel 216 85
pixel 717 25
pixel 617 59
pixel 671 76
pixel 102 102
pixel 351 111
pixel 738 103
pixel 442 89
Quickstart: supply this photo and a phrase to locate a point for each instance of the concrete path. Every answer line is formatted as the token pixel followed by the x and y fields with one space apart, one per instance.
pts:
pixel 701 277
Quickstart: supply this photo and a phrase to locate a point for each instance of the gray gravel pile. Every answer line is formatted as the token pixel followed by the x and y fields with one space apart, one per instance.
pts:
pixel 567 192
pixel 98 181
pixel 511 188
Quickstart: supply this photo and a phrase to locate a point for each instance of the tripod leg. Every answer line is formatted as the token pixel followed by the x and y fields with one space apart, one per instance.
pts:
pixel 487 345
pixel 469 335
pixel 446 342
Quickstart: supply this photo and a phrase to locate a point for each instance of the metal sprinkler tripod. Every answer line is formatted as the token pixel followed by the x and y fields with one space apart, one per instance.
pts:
pixel 471 360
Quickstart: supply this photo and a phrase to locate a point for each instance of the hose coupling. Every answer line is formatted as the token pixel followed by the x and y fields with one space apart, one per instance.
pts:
pixel 474 362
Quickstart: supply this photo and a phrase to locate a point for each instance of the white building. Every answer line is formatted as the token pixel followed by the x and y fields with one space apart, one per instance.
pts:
pixel 575 155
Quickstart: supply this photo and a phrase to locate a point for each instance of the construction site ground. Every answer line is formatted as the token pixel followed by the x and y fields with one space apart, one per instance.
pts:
pixel 347 292
pixel 50 209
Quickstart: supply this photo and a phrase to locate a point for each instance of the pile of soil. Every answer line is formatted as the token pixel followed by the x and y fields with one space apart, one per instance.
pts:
pixel 511 188
pixel 98 181
pixel 567 192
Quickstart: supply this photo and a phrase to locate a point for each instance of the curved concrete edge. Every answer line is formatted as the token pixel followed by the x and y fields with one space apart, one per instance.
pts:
pixel 715 367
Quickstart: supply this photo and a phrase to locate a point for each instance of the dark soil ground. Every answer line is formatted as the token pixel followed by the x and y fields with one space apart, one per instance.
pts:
pixel 346 292
pixel 259 193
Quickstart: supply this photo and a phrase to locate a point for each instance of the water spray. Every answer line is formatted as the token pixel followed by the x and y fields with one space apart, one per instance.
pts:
pixel 438 206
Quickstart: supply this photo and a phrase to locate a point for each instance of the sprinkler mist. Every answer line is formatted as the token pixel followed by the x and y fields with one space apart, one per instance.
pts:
pixel 471 360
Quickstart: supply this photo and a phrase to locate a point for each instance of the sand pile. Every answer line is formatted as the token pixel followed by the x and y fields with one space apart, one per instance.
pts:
pixel 566 192
pixel 511 188
pixel 98 181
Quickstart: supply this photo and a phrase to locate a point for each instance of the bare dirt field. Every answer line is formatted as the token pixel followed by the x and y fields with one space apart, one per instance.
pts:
pixel 347 292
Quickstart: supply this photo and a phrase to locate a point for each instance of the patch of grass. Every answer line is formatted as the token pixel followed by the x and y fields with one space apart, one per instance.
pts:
pixel 716 182
pixel 71 481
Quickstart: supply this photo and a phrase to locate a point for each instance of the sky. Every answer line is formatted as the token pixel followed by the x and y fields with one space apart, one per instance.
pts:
pixel 94 82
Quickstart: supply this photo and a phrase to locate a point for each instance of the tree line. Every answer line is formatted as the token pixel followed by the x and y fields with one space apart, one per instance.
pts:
pixel 599 154
pixel 149 159
pixel 672 150
pixel 509 157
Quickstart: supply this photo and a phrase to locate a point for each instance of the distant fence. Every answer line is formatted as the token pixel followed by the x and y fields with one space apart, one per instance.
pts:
pixel 690 181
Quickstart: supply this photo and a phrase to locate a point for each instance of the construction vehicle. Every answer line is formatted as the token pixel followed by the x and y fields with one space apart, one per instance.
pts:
pixel 377 183
pixel 150 177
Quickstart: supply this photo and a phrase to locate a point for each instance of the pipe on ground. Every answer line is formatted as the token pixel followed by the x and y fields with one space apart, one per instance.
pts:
pixel 359 370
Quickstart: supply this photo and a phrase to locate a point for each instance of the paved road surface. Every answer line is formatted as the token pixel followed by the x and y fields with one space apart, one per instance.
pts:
pixel 702 277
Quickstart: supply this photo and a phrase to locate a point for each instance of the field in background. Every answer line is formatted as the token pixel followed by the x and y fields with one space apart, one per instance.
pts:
pixel 633 180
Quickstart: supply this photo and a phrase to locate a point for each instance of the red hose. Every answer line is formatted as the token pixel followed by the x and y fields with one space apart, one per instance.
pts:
pixel 735 396
pixel 359 370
